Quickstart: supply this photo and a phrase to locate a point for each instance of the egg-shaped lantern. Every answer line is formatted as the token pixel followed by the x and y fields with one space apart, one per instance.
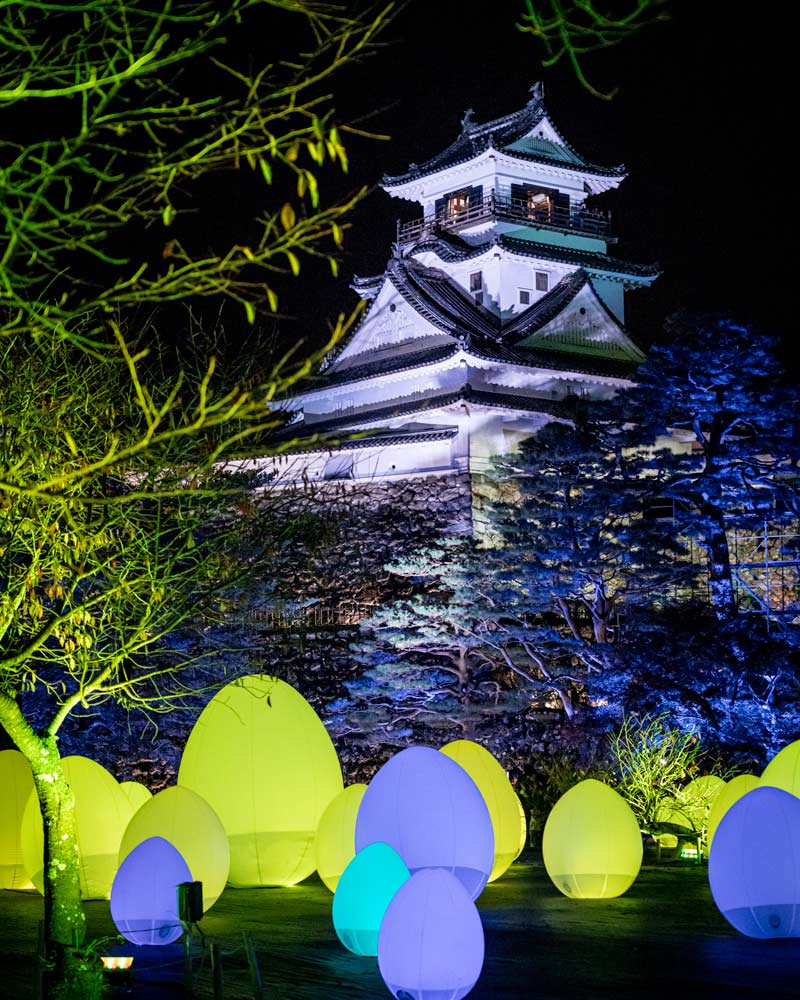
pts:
pixel 499 796
pixel 698 797
pixel 144 895
pixel 732 792
pixel 754 864
pixel 102 811
pixel 16 786
pixel 673 812
pixel 591 843
pixel 336 835
pixel 431 812
pixel 188 822
pixel 783 771
pixel 431 939
pixel 523 826
pixel 137 793
pixel 367 886
pixel 262 759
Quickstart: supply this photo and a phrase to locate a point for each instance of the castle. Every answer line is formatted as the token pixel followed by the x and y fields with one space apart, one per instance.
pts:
pixel 499 301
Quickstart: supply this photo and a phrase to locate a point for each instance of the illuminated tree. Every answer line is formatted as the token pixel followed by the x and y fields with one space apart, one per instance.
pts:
pixel 120 119
pixel 712 425
pixel 571 29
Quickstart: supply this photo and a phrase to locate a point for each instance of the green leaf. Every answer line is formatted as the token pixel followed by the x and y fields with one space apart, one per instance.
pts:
pixel 250 312
pixel 294 263
pixel 168 214
pixel 266 171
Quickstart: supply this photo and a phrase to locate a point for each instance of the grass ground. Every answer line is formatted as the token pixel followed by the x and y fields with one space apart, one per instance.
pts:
pixel 663 939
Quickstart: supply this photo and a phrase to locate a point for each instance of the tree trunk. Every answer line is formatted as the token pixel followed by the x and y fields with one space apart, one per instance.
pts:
pixel 720 579
pixel 65 921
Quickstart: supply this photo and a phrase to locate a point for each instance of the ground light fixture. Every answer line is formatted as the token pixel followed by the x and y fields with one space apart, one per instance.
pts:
pixel 118 972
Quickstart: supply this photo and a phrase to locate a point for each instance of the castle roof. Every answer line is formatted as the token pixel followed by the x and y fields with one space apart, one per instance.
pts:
pixel 478 332
pixel 346 423
pixel 512 135
pixel 450 249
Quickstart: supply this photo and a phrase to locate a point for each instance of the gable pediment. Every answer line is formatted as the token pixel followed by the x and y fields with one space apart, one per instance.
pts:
pixel 583 326
pixel 391 327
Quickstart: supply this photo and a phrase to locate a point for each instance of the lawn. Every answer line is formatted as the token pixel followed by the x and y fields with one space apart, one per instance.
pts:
pixel 663 939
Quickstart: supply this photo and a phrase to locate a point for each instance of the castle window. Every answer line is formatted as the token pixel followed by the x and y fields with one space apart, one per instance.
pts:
pixel 542 281
pixel 476 281
pixel 524 297
pixel 457 202
pixel 538 205
pixel 479 298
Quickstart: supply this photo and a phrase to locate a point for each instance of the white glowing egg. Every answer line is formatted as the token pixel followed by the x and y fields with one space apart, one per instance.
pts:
pixel 144 895
pixel 432 813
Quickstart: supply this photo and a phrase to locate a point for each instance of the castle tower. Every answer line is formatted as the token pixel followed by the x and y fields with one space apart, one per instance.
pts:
pixel 500 300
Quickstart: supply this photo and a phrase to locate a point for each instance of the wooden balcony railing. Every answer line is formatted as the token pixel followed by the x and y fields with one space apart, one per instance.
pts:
pixel 494 207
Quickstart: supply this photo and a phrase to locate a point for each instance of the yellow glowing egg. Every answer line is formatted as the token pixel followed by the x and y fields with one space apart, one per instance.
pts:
pixel 523 826
pixel 16 785
pixel 698 797
pixel 732 792
pixel 673 812
pixel 499 796
pixel 591 844
pixel 262 759
pixel 783 771
pixel 137 793
pixel 102 811
pixel 335 844
pixel 181 817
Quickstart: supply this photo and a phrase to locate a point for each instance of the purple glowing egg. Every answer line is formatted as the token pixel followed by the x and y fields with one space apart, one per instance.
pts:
pixel 144 896
pixel 431 812
pixel 754 864
pixel 430 945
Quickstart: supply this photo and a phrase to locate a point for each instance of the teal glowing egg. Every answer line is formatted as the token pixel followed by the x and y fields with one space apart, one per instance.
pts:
pixel 367 886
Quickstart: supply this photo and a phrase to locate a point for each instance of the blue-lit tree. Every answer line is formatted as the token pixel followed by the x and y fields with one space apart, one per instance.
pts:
pixel 713 424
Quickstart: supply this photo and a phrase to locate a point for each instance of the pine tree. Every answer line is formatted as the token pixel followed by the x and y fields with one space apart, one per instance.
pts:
pixel 714 423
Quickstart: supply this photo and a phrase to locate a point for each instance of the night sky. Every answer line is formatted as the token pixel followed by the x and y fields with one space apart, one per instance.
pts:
pixel 704 122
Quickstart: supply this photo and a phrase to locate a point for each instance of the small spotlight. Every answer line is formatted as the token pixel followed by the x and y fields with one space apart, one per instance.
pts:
pixel 117 962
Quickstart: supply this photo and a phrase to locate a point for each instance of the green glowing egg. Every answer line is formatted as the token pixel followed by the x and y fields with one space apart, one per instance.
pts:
pixel 102 811
pixel 499 796
pixel 335 844
pixel 262 759
pixel 16 786
pixel 592 846
pixel 367 886
pixel 732 792
pixel 181 817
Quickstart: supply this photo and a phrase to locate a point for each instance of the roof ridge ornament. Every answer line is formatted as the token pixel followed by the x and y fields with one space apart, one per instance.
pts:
pixel 467 119
pixel 536 91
